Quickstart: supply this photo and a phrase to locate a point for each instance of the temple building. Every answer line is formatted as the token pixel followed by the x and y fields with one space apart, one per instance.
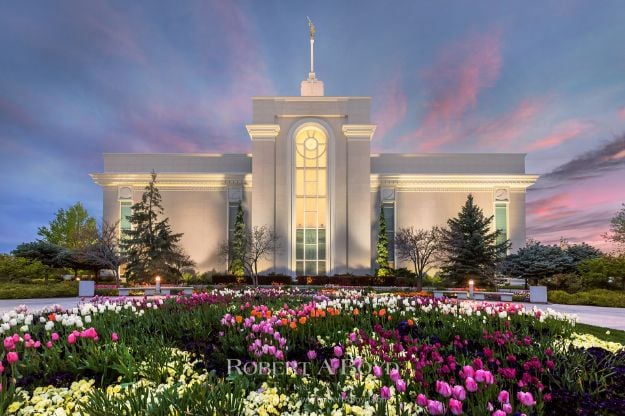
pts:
pixel 312 178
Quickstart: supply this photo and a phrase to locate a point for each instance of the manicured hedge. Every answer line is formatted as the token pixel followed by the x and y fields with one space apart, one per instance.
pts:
pixel 44 290
pixel 596 297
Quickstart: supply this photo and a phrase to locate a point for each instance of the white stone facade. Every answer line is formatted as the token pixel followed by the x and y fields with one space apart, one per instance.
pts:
pixel 342 201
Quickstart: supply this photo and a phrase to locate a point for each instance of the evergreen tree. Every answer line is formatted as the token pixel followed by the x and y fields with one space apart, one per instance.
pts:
pixel 237 249
pixel 382 248
pixel 471 248
pixel 150 246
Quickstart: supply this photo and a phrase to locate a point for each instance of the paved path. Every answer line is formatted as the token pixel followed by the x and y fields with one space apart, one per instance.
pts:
pixel 593 315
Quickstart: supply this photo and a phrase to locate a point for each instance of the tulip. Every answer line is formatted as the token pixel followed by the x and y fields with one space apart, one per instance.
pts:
pixel 55 336
pixel 507 407
pixel 455 406
pixel 312 354
pixel 114 337
pixel 422 400
pixel 338 351
pixel 12 357
pixel 400 385
pixel 385 393
pixel 526 398
pixel 499 413
pixel 443 388
pixel 470 384
pixel 394 374
pixel 468 371
pixel 357 362
pixel 503 397
pixel 459 393
pixel 377 371
pixel 436 408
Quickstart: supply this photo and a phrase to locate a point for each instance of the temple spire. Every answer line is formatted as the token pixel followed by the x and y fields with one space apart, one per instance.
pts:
pixel 311 87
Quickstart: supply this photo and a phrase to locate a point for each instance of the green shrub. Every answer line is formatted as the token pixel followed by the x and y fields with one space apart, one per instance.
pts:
pixel 22 270
pixel 596 297
pixel 44 290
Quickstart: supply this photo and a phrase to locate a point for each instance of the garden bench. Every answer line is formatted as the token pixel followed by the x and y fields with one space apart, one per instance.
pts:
pixel 151 290
pixel 503 296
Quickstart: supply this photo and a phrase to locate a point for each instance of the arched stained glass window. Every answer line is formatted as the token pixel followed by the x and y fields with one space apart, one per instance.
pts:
pixel 310 201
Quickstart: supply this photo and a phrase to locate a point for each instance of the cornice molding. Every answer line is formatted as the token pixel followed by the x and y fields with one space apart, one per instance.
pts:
pixel 174 180
pixel 260 132
pixel 415 183
pixel 359 131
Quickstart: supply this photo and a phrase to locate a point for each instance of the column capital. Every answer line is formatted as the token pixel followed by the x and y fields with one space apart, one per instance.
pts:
pixel 359 131
pixel 263 132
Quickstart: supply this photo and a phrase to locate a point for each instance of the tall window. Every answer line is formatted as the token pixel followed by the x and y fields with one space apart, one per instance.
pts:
pixel 501 221
pixel 125 211
pixel 389 217
pixel 233 207
pixel 310 201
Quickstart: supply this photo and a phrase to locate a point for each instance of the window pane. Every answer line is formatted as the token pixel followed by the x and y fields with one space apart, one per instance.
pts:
pixel 322 251
pixel 311 267
pixel 311 204
pixel 322 268
pixel 311 219
pixel 125 213
pixel 322 236
pixel 311 188
pixel 299 236
pixel 299 212
pixel 299 181
pixel 311 236
pixel 310 175
pixel 299 268
pixel 311 252
pixel 299 251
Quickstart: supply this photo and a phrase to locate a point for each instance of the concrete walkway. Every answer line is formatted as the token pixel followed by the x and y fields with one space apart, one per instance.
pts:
pixel 613 318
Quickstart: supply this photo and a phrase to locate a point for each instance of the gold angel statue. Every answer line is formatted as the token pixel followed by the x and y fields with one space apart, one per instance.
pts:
pixel 311 28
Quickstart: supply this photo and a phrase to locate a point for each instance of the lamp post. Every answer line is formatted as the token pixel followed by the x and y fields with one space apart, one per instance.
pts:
pixel 471 288
pixel 158 284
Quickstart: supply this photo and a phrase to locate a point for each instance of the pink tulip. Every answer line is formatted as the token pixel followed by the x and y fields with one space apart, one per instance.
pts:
pixel 470 384
pixel 503 397
pixel 499 413
pixel 443 388
pixel 468 371
pixel 422 400
pixel 394 374
pixel 436 408
pixel 377 371
pixel 484 376
pixel 49 344
pixel 55 336
pixel 71 338
pixel 312 354
pixel 12 357
pixel 455 406
pixel 385 393
pixel 358 362
pixel 338 351
pixel 459 393
pixel 526 398
pixel 400 385
pixel 114 337
pixel 507 407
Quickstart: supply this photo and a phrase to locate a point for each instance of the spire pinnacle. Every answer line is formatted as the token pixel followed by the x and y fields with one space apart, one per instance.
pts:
pixel 311 86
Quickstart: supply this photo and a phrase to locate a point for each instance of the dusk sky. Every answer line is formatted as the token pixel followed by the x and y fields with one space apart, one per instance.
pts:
pixel 81 78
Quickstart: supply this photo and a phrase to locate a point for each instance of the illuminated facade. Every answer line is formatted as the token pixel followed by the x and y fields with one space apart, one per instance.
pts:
pixel 311 176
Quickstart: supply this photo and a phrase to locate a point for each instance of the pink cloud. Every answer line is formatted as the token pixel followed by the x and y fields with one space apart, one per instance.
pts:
pixel 389 108
pixel 563 132
pixel 460 72
pixel 621 113
pixel 511 125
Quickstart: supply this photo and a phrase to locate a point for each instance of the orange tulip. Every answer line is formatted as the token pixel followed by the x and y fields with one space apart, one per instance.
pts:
pixel 302 320
pixel 382 312
pixel 293 325
pixel 284 321
pixel 410 322
pixel 356 312
pixel 239 319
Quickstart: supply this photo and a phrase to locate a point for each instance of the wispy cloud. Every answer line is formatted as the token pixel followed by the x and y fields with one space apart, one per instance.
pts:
pixel 502 130
pixel 610 156
pixel 460 72
pixel 621 113
pixel 563 132
pixel 390 108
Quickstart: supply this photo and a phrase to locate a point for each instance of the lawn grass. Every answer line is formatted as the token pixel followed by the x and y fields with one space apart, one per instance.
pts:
pixel 615 335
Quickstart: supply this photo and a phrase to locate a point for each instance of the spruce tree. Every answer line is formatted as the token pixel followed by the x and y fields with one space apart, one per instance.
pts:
pixel 150 246
pixel 471 246
pixel 382 247
pixel 237 249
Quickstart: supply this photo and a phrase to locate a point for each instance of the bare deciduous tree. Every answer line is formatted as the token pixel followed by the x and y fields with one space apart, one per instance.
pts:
pixel 261 242
pixel 105 251
pixel 421 247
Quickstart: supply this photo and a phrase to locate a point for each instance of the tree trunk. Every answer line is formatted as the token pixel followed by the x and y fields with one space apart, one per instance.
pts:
pixel 419 282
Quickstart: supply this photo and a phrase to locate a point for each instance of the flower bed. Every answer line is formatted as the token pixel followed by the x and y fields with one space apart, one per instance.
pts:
pixel 298 352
